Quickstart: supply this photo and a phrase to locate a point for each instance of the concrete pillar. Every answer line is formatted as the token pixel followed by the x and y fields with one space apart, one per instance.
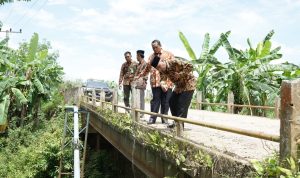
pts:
pixel 94 97
pixel 115 100
pixel 277 107
pixel 102 99
pixel 199 100
pixel 135 104
pixel 230 102
pixel 179 128
pixel 290 120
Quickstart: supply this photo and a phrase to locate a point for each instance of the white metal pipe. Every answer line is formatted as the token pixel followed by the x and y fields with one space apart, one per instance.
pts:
pixel 76 145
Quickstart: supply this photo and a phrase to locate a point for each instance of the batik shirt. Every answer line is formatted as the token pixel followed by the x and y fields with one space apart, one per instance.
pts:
pixel 181 74
pixel 140 67
pixel 155 76
pixel 127 73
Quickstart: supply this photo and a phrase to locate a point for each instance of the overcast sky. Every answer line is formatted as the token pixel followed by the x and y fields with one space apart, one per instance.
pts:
pixel 92 36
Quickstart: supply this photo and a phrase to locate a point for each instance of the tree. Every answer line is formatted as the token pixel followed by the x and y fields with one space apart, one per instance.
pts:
pixel 249 74
pixel 206 62
pixel 30 73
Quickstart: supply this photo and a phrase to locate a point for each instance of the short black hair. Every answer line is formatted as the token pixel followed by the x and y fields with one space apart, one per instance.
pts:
pixel 127 52
pixel 156 41
pixel 142 55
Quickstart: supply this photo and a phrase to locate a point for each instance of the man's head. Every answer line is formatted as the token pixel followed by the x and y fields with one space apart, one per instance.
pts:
pixel 156 46
pixel 140 55
pixel 127 56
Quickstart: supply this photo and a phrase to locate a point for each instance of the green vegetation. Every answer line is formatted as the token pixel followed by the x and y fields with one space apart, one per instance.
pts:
pixel 183 155
pixel 250 74
pixel 29 77
pixel 32 153
pixel 271 167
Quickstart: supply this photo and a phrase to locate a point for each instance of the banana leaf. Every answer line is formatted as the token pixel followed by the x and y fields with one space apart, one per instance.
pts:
pixel 39 86
pixel 32 47
pixel 187 46
pixel 4 105
pixel 269 36
pixel 216 46
pixel 205 47
pixel 19 96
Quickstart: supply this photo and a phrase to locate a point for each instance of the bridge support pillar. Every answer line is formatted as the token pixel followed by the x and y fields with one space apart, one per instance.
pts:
pixel 290 120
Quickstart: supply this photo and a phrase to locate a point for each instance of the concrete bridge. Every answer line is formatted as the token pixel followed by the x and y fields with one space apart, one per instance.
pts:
pixel 211 144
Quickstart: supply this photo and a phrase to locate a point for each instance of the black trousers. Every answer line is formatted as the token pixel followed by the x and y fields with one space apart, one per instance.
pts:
pixel 160 99
pixel 180 102
pixel 127 91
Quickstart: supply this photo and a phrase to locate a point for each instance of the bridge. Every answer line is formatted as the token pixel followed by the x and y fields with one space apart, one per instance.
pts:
pixel 211 144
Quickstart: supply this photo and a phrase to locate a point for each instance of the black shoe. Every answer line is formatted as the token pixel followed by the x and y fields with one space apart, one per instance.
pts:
pixel 171 126
pixel 151 121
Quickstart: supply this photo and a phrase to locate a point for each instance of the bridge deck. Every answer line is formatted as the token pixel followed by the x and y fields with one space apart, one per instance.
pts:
pixel 236 145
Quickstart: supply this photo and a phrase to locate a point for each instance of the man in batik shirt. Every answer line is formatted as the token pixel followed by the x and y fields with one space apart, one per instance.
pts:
pixel 181 74
pixel 126 76
pixel 161 88
pixel 141 83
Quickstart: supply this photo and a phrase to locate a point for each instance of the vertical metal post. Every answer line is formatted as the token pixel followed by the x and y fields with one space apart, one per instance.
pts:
pixel 85 142
pixel 76 144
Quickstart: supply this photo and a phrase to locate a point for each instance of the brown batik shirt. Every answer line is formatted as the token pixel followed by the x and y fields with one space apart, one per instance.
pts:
pixel 127 73
pixel 184 79
pixel 155 76
pixel 140 68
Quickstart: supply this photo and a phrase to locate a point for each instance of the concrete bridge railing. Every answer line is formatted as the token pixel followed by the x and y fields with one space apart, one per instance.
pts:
pixel 289 119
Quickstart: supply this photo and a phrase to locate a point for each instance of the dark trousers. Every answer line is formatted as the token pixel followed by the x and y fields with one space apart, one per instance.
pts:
pixel 180 102
pixel 127 90
pixel 160 99
pixel 164 108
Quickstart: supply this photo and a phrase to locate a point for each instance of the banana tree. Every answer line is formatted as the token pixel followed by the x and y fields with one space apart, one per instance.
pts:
pixel 41 73
pixel 205 63
pixel 250 74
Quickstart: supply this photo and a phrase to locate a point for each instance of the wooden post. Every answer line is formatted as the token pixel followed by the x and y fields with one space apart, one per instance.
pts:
pixel 290 120
pixel 199 100
pixel 230 101
pixel 102 99
pixel 277 107
pixel 135 104
pixel 115 100
pixel 179 128
pixel 94 97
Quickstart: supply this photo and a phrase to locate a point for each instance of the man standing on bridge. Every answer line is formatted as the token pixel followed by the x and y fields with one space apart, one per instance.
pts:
pixel 126 76
pixel 141 83
pixel 161 86
pixel 181 74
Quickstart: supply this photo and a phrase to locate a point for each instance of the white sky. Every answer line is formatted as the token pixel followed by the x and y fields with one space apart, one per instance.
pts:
pixel 92 36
